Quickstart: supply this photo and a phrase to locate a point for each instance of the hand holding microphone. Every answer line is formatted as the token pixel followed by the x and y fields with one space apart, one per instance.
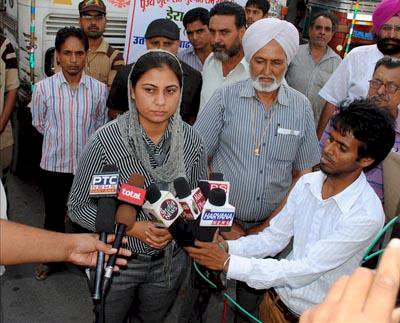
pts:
pixel 131 195
pixel 104 186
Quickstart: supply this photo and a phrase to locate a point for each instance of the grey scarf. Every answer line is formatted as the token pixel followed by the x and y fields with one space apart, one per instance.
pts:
pixel 163 174
pixel 130 129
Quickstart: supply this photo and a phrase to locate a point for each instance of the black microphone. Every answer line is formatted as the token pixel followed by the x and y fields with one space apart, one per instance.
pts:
pixel 216 181
pixel 104 186
pixel 132 193
pixel 184 229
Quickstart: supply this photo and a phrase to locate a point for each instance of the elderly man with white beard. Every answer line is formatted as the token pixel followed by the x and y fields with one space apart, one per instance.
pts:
pixel 260 134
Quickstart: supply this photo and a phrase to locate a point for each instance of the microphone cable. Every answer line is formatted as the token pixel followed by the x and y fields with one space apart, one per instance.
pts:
pixel 367 256
pixel 226 295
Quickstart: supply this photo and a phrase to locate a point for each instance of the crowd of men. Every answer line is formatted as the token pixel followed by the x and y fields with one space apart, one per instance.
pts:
pixel 270 112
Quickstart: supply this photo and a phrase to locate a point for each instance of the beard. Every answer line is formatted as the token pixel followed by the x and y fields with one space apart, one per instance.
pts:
pixel 262 87
pixel 388 46
pixel 223 56
pixel 94 33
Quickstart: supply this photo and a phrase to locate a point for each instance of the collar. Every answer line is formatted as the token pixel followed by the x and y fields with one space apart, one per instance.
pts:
pixel 330 53
pixel 248 91
pixel 103 48
pixel 346 198
pixel 63 80
pixel 242 63
pixel 190 50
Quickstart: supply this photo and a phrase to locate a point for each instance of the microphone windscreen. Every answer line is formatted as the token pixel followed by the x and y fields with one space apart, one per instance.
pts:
pixel 153 193
pixel 106 207
pixel 182 187
pixel 216 177
pixel 217 197
pixel 204 187
pixel 136 180
pixel 126 214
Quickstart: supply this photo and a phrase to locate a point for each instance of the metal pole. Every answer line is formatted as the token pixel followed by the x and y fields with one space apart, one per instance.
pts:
pixel 32 44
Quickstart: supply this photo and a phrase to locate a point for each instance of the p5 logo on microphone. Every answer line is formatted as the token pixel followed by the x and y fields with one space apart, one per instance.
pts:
pixel 105 184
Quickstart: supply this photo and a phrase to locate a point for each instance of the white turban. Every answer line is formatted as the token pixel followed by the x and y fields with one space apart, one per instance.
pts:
pixel 264 30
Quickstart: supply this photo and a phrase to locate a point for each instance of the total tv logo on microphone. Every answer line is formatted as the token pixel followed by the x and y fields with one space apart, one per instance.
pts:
pixel 105 184
pixel 131 194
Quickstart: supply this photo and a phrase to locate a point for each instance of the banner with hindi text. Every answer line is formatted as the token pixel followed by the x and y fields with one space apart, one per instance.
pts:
pixel 143 12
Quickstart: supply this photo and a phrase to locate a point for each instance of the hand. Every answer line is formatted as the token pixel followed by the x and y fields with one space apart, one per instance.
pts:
pixel 84 247
pixel 364 297
pixel 157 238
pixel 235 233
pixel 208 254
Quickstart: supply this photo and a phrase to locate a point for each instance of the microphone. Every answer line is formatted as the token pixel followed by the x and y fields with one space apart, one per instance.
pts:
pixel 130 193
pixel 104 186
pixel 184 229
pixel 162 206
pixel 192 202
pixel 217 213
pixel 216 181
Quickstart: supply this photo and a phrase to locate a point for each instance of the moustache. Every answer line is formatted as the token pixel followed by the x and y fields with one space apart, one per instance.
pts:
pixel 390 40
pixel 217 46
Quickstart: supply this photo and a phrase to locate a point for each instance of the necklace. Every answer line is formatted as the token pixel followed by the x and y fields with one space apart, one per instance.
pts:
pixel 257 145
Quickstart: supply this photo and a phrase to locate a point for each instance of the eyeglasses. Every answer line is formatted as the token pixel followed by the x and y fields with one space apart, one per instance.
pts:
pixel 389 87
pixel 95 18
pixel 389 28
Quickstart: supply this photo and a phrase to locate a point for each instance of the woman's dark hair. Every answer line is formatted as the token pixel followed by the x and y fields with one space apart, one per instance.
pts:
pixel 326 14
pixel 230 9
pixel 155 59
pixel 372 126
pixel 64 33
pixel 196 14
pixel 263 5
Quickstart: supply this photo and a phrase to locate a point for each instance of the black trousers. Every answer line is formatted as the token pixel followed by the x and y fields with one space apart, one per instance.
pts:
pixel 55 188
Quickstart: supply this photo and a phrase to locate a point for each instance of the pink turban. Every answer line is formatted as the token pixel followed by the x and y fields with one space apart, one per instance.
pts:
pixel 383 12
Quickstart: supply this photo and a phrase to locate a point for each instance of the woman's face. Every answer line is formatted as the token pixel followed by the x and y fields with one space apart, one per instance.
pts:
pixel 157 95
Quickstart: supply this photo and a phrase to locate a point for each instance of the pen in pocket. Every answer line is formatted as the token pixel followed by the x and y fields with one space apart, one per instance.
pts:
pixel 277 127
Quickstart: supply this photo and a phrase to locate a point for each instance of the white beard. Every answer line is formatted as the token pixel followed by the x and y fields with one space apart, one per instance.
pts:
pixel 264 87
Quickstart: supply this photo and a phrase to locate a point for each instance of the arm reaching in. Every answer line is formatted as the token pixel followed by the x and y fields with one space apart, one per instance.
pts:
pixel 366 296
pixel 45 246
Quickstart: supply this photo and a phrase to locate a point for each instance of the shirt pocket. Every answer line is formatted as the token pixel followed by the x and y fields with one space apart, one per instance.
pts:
pixel 283 147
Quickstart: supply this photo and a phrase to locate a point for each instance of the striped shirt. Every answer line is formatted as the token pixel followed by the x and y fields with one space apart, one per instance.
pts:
pixel 67 118
pixel 375 175
pixel 258 183
pixel 329 239
pixel 189 56
pixel 107 147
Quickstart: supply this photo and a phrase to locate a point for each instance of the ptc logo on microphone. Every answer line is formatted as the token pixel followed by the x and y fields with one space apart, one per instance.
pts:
pixel 105 184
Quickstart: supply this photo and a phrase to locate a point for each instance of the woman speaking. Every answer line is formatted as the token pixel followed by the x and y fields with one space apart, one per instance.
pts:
pixel 152 140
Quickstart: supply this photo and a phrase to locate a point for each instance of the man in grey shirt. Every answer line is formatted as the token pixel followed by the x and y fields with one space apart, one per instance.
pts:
pixel 315 61
pixel 260 134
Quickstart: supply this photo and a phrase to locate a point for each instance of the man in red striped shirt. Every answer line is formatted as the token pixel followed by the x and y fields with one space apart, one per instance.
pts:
pixel 66 109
